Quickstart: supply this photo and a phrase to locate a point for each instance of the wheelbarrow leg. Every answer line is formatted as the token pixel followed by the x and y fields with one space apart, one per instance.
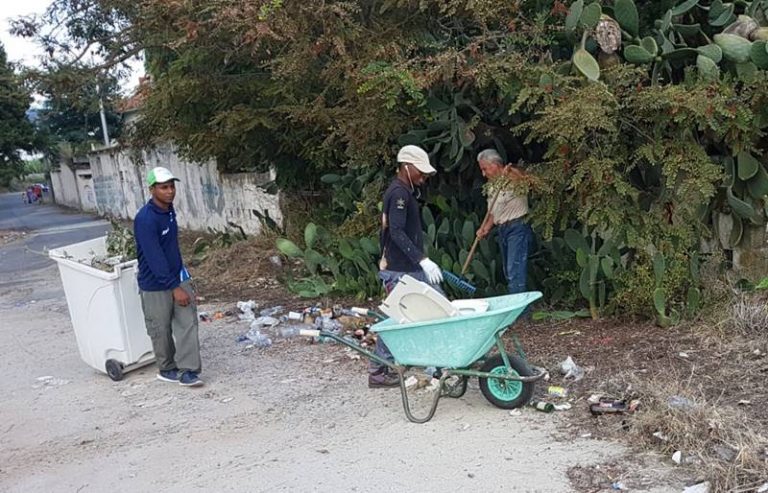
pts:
pixel 406 405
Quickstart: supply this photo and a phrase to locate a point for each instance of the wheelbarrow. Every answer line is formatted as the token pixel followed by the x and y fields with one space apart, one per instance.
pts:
pixel 456 346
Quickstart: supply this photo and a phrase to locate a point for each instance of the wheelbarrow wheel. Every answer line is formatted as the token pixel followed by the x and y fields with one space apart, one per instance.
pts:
pixel 506 394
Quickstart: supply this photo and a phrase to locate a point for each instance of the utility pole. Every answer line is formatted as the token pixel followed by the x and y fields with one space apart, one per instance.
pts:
pixel 103 115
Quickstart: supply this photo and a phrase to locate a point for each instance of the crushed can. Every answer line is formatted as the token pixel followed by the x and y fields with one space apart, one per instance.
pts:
pixel 557 391
pixel 608 407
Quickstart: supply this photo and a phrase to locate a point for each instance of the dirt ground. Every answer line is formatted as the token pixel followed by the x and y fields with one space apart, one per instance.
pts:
pixel 292 417
pixel 297 416
pixel 724 374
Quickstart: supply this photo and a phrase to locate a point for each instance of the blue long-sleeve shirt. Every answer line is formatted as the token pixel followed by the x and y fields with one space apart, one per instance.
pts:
pixel 402 237
pixel 157 244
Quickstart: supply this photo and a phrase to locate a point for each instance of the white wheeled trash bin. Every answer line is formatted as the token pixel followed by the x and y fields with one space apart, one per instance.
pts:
pixel 105 309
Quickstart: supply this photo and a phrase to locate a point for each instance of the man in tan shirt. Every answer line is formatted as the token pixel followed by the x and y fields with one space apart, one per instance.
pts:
pixel 508 216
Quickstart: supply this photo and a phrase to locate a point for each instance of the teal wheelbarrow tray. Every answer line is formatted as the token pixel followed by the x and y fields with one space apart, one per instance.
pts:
pixel 456 346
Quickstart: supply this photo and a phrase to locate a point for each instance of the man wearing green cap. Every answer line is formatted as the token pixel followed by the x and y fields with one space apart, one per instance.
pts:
pixel 167 297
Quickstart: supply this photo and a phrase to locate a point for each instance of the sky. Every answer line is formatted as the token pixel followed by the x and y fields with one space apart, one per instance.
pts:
pixel 21 50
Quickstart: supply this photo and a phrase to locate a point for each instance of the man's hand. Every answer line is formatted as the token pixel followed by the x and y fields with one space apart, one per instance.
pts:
pixel 482 232
pixel 181 297
pixel 432 271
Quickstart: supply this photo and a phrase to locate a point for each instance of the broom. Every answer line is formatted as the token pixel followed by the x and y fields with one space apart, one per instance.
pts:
pixel 477 238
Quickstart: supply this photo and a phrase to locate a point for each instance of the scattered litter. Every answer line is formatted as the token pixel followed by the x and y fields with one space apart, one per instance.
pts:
pixel 294 316
pixel 271 312
pixel 569 333
pixel 683 355
pixel 618 485
pixel 563 407
pixel 430 371
pixel 677 457
pixel 542 406
pixel 49 381
pixel 515 412
pixel 593 399
pixel 611 406
pixel 203 316
pixel 763 488
pixel 744 402
pixel 247 307
pixel 586 435
pixel 264 321
pixel 557 391
pixel 757 352
pixel 679 402
pixel 256 337
pixel 411 382
pixel 661 436
pixel 726 453
pixel 227 399
pixel 465 427
pixel 275 260
pixel 434 385
pixel 699 488
pixel 323 451
pixel 570 369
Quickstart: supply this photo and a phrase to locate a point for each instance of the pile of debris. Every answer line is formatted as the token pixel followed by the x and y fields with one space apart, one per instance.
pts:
pixel 276 322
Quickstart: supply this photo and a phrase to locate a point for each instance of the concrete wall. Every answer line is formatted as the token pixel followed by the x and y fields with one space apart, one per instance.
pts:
pixel 204 198
pixel 85 189
pixel 65 189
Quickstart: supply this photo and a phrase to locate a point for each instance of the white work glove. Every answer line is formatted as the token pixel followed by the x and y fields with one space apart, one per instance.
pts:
pixel 433 272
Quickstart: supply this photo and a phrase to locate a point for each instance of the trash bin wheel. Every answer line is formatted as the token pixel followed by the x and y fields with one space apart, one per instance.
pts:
pixel 114 369
pixel 506 394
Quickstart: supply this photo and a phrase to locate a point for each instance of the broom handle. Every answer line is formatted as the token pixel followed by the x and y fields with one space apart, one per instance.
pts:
pixel 477 238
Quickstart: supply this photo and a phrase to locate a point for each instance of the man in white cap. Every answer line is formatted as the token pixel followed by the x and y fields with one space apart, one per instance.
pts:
pixel 402 242
pixel 167 296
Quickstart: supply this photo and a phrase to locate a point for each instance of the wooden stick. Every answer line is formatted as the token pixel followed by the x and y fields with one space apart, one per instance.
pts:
pixel 477 238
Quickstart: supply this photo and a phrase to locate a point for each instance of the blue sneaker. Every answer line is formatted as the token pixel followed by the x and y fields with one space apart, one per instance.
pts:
pixel 190 379
pixel 169 376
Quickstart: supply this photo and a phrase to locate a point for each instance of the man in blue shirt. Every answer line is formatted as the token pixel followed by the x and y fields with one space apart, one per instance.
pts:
pixel 167 296
pixel 402 242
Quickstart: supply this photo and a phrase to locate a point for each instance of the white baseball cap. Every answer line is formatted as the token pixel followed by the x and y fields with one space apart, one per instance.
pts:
pixel 416 156
pixel 160 175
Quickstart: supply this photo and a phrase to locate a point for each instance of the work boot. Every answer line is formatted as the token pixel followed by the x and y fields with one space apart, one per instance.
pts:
pixel 383 380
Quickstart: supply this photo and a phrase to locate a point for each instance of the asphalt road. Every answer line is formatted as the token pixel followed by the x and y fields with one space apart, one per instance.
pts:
pixel 48 226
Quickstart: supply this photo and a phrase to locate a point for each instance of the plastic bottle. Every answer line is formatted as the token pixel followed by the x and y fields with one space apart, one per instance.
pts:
pixel 290 331
pixel 258 339
pixel 271 312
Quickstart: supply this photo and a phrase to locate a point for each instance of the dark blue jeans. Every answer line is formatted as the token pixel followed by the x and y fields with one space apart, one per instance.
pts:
pixel 514 240
pixel 390 278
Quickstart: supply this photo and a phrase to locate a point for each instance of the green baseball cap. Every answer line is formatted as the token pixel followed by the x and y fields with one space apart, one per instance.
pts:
pixel 160 175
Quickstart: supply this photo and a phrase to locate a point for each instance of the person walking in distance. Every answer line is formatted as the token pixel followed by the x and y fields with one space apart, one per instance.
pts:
pixel 167 295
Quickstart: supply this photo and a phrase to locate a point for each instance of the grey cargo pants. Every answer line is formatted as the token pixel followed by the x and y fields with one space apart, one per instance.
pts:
pixel 173 329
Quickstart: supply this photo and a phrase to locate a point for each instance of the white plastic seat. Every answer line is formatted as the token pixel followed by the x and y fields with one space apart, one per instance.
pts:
pixel 415 301
pixel 470 307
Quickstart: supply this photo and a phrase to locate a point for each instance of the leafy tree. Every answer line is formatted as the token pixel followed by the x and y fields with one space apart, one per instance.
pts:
pixel 16 132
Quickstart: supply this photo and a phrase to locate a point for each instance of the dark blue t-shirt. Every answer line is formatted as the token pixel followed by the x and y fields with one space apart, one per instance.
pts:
pixel 402 235
pixel 157 243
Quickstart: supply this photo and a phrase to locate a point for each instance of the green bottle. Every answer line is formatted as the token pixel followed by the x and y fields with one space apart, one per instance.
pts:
pixel 545 407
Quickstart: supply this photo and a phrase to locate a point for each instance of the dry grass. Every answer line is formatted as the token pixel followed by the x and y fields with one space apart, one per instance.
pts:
pixel 715 435
pixel 749 315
